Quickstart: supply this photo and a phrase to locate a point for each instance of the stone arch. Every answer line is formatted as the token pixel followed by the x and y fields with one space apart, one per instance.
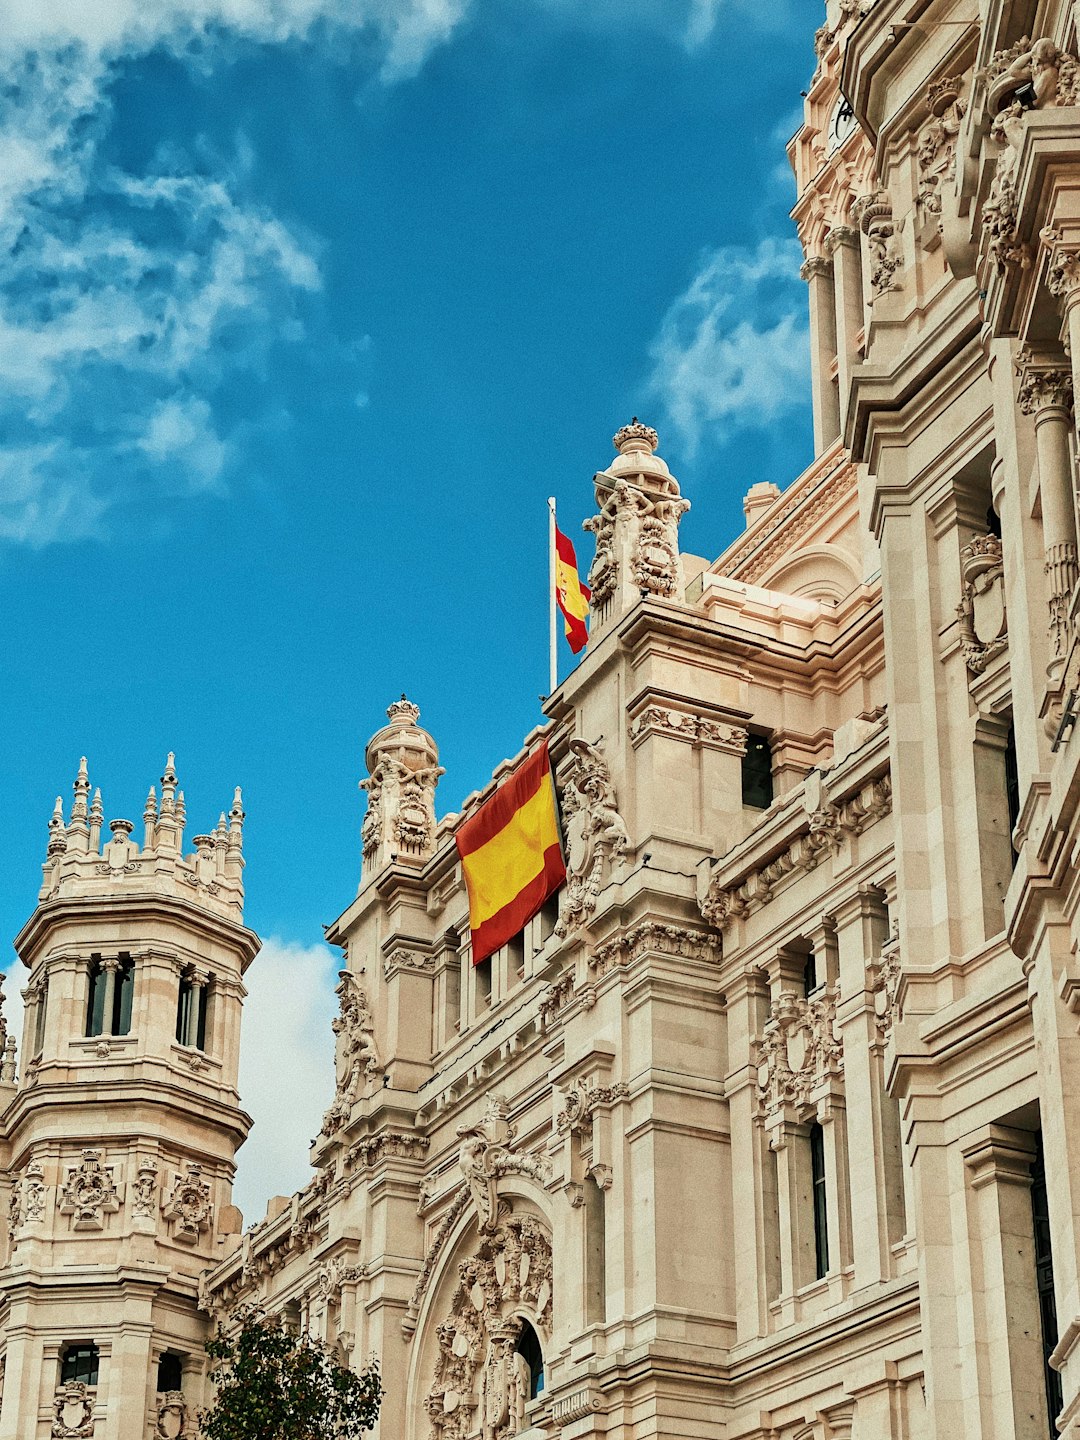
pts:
pixel 825 573
pixel 467 1376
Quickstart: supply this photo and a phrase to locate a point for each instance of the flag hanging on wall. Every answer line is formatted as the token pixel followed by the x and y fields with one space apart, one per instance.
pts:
pixel 572 596
pixel 511 855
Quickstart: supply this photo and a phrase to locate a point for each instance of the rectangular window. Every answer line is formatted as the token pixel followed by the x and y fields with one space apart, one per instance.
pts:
pixel 39 1022
pixel 821 1211
pixel 80 1363
pixel 1044 1280
pixel 191 1009
pixel 122 995
pixel 1012 787
pixel 757 782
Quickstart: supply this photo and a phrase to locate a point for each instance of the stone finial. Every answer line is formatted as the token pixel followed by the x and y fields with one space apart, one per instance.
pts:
pixel 758 499
pixel 149 819
pixel 57 830
pixel 82 790
pixel 97 819
pixel 403 712
pixel 121 829
pixel 635 437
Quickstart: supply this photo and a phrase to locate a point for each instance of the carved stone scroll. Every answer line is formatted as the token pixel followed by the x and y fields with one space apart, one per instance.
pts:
pixel 89 1193
pixel 799 1050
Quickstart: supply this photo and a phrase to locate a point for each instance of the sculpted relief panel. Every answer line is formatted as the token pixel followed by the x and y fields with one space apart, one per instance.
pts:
pixel 481 1383
pixel 596 835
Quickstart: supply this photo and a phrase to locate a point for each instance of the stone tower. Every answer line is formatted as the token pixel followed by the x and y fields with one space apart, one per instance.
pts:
pixel 118 1145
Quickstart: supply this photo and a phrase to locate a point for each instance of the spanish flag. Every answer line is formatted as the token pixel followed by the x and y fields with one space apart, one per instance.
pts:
pixel 511 855
pixel 572 596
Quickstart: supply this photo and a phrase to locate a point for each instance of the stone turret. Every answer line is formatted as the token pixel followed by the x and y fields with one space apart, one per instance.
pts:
pixel 403 771
pixel 637 529
pixel 118 1146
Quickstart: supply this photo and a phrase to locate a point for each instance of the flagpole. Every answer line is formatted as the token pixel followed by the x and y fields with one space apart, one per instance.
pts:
pixel 553 631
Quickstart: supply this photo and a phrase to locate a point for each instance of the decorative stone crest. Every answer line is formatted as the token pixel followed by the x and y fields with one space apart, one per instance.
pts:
pixel 356 1056
pixel 799 1050
pixel 874 215
pixel 335 1273
pixel 171 1420
pixel 485 1153
pixel 188 1206
pixel 89 1193
pixel 937 144
pixel 596 836
pixel 481 1384
pixel 144 1190
pixel 74 1413
pixel 981 612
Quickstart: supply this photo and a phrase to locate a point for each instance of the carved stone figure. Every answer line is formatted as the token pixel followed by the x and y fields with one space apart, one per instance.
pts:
pixel 356 1055
pixel 189 1207
pixel 74 1412
pixel 481 1383
pixel 883 980
pixel 596 835
pixel 874 215
pixel 34 1192
pixel 937 144
pixel 89 1193
pixel 144 1198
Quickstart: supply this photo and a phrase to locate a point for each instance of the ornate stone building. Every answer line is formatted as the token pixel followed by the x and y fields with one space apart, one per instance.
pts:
pixel 765 1128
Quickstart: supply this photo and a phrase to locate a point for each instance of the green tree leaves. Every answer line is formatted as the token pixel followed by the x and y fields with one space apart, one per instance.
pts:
pixel 274 1385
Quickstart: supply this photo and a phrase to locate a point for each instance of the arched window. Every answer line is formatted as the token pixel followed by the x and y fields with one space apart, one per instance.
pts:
pixel 170 1373
pixel 528 1347
pixel 79 1362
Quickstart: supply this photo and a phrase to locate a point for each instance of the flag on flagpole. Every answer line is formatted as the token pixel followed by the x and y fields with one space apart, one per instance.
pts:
pixel 511 855
pixel 572 596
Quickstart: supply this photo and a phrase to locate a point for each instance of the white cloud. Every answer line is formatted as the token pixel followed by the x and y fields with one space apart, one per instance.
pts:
pixel 733 350
pixel 286 1067
pixel 127 298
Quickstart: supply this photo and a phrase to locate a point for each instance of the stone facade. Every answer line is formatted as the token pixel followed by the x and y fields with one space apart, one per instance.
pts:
pixel 763 1128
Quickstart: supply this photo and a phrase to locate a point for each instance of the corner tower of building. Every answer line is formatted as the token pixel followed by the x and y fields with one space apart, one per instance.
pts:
pixel 120 1139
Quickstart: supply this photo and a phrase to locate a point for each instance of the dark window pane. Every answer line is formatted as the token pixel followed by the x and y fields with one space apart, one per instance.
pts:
pixel 125 986
pixel 183 1010
pixel 528 1347
pixel 821 1213
pixel 95 1000
pixel 757 786
pixel 80 1362
pixel 1044 1280
pixel 170 1372
pixel 204 996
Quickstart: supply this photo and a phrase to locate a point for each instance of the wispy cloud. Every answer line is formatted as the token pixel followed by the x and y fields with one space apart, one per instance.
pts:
pixel 126 299
pixel 286 1067
pixel 733 350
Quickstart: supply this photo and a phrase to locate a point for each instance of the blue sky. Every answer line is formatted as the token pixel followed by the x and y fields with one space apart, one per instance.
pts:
pixel 305 307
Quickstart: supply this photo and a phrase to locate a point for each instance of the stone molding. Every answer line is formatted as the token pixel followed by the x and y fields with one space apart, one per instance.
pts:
pixel 697 730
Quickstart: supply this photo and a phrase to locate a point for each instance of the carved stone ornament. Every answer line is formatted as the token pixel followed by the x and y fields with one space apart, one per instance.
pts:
pixel 356 1056
pixel 34 1193
pixel 481 1384
pixel 874 215
pixel 1054 78
pixel 331 1276
pixel 981 612
pixel 637 528
pixel 171 1421
pixel 89 1193
pixel 596 836
pixel 937 143
pixel 655 938
pixel 799 1050
pixel 695 729
pixel 188 1206
pixel 403 771
pixel 144 1190
pixel 484 1155
pixel 883 980
pixel 73 1409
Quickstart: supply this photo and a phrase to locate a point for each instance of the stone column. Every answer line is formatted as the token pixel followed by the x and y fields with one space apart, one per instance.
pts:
pixel 110 964
pixel 998 1160
pixel 843 245
pixel 789 1141
pixel 198 984
pixel 1046 394
pixel 817 271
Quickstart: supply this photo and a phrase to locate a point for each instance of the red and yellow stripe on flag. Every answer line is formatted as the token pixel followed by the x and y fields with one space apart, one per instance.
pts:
pixel 572 596
pixel 511 855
